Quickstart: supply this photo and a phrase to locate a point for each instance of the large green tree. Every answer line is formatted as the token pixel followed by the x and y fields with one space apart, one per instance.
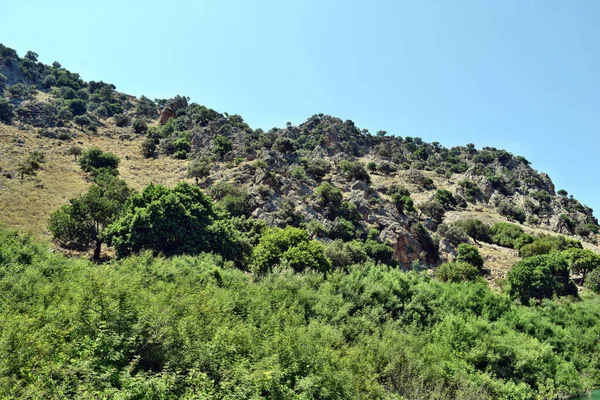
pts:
pixel 82 222
pixel 174 221
pixel 540 277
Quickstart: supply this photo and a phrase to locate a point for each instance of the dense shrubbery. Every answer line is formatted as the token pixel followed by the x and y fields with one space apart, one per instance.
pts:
pixel 190 327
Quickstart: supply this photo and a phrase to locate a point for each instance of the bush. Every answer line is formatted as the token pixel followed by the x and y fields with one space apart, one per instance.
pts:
pixel 148 148
pixel 94 159
pixel 548 244
pixel 342 229
pixel 476 229
pixel 285 145
pixel 354 170
pixel 297 172
pixel 329 197
pixel 469 254
pixel 511 212
pixel 445 198
pixel 455 272
pixel 593 281
pixel 222 145
pixel 76 106
pixel 6 111
pixel 140 126
pixel 453 233
pixel 291 247
pixel 506 235
pixel 540 277
pixel 581 262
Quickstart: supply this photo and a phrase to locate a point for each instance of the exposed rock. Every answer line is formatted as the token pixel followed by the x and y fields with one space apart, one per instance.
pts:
pixel 170 110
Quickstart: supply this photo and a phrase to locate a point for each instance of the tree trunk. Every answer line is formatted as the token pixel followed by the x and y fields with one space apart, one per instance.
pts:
pixel 96 256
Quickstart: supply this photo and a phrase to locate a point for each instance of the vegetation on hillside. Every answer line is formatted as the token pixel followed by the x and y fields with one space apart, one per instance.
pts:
pixel 311 261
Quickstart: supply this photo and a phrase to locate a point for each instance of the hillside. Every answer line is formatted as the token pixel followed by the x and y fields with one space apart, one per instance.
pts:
pixel 276 173
pixel 157 249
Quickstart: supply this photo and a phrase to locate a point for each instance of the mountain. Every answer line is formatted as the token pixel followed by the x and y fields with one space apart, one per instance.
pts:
pixel 310 261
pixel 282 176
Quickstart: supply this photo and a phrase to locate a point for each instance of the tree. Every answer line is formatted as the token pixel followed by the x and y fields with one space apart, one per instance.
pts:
pixel 82 121
pixel 199 169
pixel 76 106
pixel 455 272
pixel 95 160
pixel 174 221
pixel 469 254
pixel 6 111
pixel 476 229
pixel 581 262
pixel 74 151
pixel 433 210
pixel 540 277
pixel 82 222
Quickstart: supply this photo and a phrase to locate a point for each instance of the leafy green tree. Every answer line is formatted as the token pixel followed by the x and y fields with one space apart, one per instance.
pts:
pixel 6 111
pixel 581 262
pixel 476 229
pixel 199 169
pixel 354 170
pixel 508 235
pixel 82 121
pixel 74 151
pixel 174 221
pixel 76 106
pixel 82 222
pixel 546 244
pixel 122 120
pixel 433 210
pixel 329 197
pixel 469 254
pixel 290 246
pixel 540 277
pixel 146 107
pixel 593 281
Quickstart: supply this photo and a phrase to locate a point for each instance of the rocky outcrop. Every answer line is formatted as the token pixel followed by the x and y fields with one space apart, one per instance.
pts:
pixel 170 109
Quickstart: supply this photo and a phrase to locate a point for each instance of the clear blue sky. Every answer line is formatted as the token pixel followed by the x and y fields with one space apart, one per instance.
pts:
pixel 513 74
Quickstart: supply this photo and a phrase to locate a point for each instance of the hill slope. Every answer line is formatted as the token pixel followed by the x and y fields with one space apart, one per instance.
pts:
pixel 285 176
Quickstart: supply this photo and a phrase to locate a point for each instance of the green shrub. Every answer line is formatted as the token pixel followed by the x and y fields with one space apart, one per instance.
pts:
pixel 547 244
pixel 140 126
pixel 354 170
pixel 95 159
pixel 290 246
pixel 476 229
pixel 148 147
pixel 445 198
pixel 6 111
pixel 456 272
pixel 505 234
pixel 469 254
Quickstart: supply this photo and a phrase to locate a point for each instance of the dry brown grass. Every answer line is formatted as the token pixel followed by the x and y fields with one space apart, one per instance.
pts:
pixel 26 204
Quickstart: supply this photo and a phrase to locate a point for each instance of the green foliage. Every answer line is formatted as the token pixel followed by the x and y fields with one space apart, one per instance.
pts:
pixel 511 211
pixel 586 229
pixel 122 120
pixel 193 327
pixel 146 107
pixel 509 235
pixel 74 151
pixel 140 126
pixel 581 262
pixel 433 210
pixel 540 277
pixel 445 198
pixel 298 172
pixel 472 191
pixel 232 198
pixel 199 169
pixel 76 106
pixel 95 161
pixel 453 233
pixel 469 254
pixel 222 145
pixel 290 247
pixel 329 197
pixel 6 111
pixel 83 220
pixel 343 229
pixel 354 170
pixel 593 281
pixel 458 271
pixel 318 167
pixel 148 148
pixel 401 199
pixel 284 145
pixel 547 244
pixel 476 229
pixel 82 121
pixel 181 220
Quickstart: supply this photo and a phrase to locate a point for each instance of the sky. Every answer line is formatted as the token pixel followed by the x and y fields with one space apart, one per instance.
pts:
pixel 519 75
